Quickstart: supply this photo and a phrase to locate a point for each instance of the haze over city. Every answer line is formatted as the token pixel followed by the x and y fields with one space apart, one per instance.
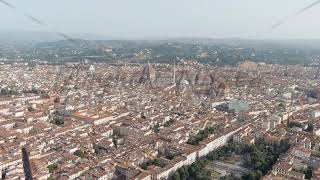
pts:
pixel 145 19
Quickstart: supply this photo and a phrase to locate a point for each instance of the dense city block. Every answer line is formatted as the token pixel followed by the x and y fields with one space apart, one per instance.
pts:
pixel 183 120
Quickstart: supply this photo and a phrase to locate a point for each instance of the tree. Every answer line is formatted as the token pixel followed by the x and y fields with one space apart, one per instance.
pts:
pixel 50 178
pixel 183 172
pixel 308 172
pixel 156 128
pixel 250 176
pixel 196 166
pixel 294 124
pixel 203 175
pixel 57 119
pixel 258 174
pixel 229 177
pixel 30 109
pixel 310 128
pixel 191 171
pixel 169 156
pixel 80 153
pixel 52 167
pixel 144 166
pixel 168 123
pixel 176 176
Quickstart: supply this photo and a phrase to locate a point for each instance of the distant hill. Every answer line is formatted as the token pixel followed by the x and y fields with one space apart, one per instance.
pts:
pixel 36 37
pixel 256 43
pixel 214 51
pixel 232 51
pixel 39 36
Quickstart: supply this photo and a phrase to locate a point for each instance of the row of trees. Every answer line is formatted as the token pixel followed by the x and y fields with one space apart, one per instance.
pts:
pixel 80 153
pixel 33 91
pixel 52 167
pixel 156 162
pixel 8 92
pixel 11 92
pixel 294 124
pixel 195 171
pixel 156 128
pixel 202 134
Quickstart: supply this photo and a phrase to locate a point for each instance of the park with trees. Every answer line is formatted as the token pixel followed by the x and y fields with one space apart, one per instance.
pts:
pixel 259 158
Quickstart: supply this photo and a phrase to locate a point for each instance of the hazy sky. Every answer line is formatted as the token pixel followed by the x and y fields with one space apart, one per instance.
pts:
pixel 166 18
